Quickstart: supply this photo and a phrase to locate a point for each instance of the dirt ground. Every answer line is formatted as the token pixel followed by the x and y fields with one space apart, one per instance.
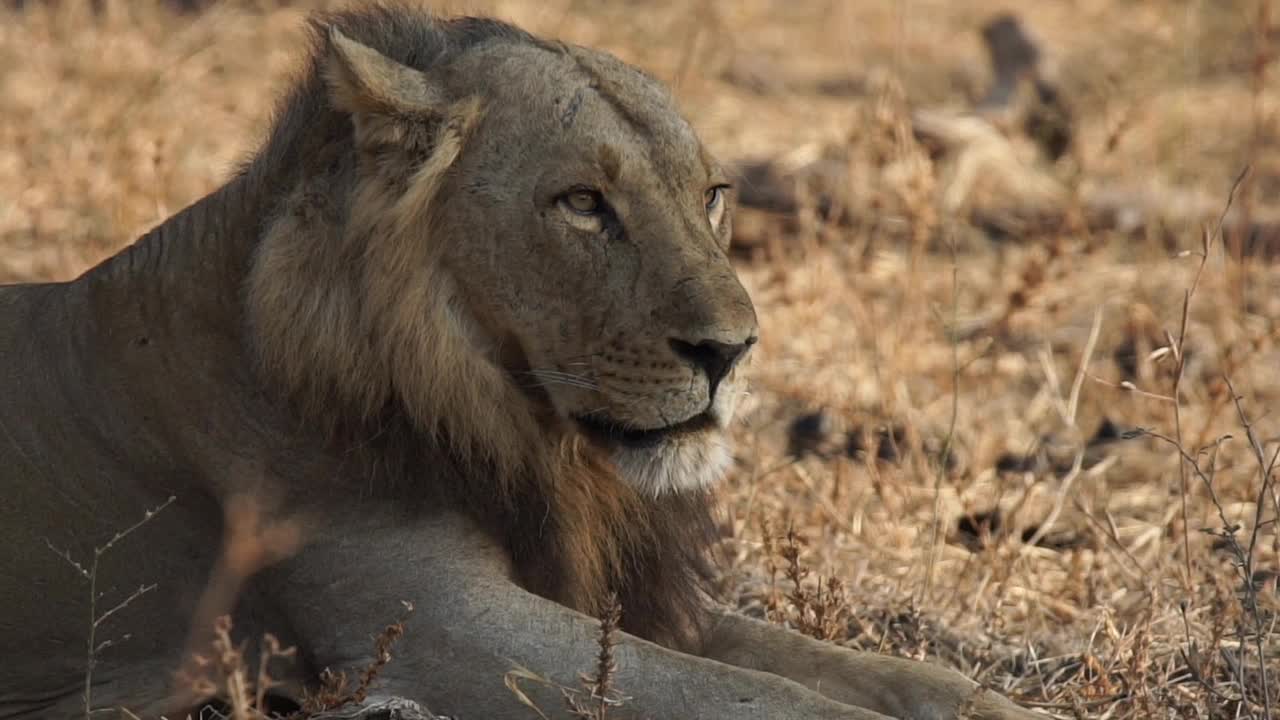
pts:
pixel 1036 455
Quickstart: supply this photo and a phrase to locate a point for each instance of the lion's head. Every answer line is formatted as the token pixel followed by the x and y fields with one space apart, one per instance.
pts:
pixel 533 243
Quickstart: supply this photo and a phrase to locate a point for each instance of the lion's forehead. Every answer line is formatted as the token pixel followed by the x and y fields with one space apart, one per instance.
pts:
pixel 646 107
pixel 590 100
pixel 656 145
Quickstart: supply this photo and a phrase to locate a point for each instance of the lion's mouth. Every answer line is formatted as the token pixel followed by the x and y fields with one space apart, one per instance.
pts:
pixel 609 432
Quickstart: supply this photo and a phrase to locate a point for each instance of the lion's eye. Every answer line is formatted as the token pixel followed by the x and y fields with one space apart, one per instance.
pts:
pixel 714 197
pixel 583 202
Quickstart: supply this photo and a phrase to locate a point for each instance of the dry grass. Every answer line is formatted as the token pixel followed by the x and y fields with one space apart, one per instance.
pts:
pixel 981 487
pixel 223 672
pixel 221 678
pixel 336 691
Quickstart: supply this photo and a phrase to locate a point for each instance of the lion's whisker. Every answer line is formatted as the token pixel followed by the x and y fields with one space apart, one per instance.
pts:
pixel 556 377
pixel 553 374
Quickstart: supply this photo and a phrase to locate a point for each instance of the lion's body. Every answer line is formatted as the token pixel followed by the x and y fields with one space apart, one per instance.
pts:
pixel 464 333
pixel 77 475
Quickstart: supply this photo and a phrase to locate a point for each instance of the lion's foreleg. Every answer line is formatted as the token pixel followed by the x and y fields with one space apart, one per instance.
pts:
pixel 474 634
pixel 896 687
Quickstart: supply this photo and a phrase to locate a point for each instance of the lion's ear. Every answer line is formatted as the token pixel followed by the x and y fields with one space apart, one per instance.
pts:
pixel 363 81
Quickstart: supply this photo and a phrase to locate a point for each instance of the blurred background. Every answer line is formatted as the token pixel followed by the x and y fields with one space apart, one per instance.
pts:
pixel 1016 266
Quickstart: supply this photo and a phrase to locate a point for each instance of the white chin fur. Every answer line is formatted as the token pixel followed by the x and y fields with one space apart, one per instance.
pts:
pixel 695 462
pixel 679 465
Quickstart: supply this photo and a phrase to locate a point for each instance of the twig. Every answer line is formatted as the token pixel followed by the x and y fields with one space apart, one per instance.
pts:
pixel 1247 558
pixel 945 456
pixel 1074 401
pixel 1244 557
pixel 1129 387
pixel 1069 417
pixel 1180 356
pixel 92 647
pixel 1108 529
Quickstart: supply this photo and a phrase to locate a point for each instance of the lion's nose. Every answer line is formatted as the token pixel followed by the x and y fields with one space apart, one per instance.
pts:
pixel 713 357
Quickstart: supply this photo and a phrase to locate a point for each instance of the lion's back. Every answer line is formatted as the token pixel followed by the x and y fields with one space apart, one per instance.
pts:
pixel 62 495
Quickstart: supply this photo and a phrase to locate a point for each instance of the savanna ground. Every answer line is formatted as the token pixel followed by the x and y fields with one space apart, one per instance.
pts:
pixel 974 433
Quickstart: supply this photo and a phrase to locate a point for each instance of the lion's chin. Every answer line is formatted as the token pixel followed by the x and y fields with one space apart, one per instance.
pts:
pixel 685 463
pixel 688 456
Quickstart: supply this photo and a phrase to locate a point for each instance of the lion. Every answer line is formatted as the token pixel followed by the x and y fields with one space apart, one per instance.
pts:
pixel 468 320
